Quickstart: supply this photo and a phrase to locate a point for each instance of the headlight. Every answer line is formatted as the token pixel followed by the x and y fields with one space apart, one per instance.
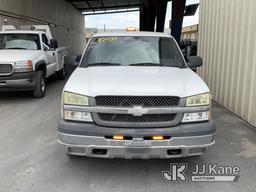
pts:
pixel 75 99
pixel 77 116
pixel 23 66
pixel 199 100
pixel 196 117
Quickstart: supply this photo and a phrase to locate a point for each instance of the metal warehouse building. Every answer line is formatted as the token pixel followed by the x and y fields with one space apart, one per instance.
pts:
pixel 227 43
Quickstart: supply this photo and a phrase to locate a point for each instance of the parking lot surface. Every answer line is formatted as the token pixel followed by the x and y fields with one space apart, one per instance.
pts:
pixel 32 160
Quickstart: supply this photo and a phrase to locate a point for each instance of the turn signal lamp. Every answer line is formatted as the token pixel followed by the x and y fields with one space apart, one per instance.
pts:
pixel 131 29
pixel 118 137
pixel 158 138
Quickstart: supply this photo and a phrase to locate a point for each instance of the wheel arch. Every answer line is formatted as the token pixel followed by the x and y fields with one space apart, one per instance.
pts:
pixel 41 66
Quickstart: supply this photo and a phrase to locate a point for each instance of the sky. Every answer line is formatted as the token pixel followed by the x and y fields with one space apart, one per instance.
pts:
pixel 124 20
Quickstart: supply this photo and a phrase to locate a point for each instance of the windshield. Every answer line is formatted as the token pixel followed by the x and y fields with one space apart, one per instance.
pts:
pixel 20 41
pixel 133 51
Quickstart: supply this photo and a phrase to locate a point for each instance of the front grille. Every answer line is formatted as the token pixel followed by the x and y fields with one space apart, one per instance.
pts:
pixel 130 120
pixel 137 119
pixel 6 69
pixel 130 101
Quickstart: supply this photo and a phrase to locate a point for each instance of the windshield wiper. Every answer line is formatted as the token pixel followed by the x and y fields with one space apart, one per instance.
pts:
pixel 149 64
pixel 103 64
pixel 17 48
pixel 153 64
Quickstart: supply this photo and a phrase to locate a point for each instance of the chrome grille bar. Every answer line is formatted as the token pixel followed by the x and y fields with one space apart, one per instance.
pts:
pixel 129 110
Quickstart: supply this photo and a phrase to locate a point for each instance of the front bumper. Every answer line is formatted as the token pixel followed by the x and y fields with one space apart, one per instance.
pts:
pixel 88 139
pixel 18 81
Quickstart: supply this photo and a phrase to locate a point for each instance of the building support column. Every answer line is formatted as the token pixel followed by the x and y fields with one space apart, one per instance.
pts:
pixel 148 15
pixel 161 14
pixel 151 16
pixel 142 18
pixel 178 8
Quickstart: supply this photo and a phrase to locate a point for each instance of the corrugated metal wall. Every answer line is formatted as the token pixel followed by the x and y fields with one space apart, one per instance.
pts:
pixel 57 12
pixel 227 43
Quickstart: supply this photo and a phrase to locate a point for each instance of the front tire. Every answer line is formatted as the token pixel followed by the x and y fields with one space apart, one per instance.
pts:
pixel 39 91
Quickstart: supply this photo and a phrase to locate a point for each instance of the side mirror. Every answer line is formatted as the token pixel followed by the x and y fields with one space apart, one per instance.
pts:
pixel 53 44
pixel 195 62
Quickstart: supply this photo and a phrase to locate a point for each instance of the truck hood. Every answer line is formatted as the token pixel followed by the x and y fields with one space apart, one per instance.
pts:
pixel 139 81
pixel 17 55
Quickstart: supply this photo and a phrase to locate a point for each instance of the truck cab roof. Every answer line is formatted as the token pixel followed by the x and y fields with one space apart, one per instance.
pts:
pixel 138 34
pixel 22 32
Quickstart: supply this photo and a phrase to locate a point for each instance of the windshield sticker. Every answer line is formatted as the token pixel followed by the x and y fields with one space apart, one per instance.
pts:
pixel 107 39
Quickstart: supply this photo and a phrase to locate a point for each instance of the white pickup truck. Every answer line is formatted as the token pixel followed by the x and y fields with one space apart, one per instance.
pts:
pixel 134 96
pixel 28 55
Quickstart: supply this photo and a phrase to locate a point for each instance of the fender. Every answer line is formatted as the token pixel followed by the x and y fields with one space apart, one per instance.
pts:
pixel 41 65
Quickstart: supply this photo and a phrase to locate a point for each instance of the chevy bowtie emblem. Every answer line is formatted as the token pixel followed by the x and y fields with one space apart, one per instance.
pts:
pixel 138 111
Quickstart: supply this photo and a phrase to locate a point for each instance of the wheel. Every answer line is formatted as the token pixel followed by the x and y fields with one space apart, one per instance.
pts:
pixel 39 90
pixel 61 74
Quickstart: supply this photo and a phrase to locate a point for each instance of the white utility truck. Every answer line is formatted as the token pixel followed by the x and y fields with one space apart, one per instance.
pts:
pixel 28 55
pixel 134 96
